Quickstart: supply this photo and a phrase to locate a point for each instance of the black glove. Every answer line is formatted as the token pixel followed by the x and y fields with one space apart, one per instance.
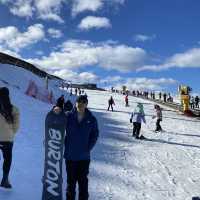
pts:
pixel 130 120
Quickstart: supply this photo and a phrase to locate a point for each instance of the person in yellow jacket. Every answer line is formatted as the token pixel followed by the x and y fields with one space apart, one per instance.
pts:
pixel 9 124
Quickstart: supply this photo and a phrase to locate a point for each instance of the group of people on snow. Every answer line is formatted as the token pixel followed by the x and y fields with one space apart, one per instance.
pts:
pixel 81 131
pixel 64 105
pixel 138 116
pixel 194 102
pixel 81 134
pixel 111 102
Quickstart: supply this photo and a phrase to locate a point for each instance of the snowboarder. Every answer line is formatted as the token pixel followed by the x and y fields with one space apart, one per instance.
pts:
pixel 136 118
pixel 111 103
pixel 9 124
pixel 158 116
pixel 81 136
pixel 126 100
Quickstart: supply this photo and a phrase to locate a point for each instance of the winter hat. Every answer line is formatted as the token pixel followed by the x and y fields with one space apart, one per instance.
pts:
pixel 82 98
pixel 4 92
pixel 156 106
pixel 140 108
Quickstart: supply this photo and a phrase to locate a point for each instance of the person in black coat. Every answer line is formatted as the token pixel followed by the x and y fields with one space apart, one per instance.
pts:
pixel 68 106
pixel 111 103
pixel 60 102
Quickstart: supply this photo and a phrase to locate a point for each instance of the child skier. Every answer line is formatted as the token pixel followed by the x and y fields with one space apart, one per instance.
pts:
pixel 136 118
pixel 158 116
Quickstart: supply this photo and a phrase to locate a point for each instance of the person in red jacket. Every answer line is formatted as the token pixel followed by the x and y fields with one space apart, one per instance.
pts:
pixel 158 116
pixel 126 100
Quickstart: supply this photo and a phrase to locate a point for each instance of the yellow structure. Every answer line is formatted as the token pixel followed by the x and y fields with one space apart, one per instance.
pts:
pixel 185 97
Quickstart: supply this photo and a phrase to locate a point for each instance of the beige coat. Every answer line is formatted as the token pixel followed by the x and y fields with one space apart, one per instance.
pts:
pixel 8 131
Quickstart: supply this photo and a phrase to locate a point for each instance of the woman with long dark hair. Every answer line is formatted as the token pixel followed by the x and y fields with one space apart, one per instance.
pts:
pixel 9 124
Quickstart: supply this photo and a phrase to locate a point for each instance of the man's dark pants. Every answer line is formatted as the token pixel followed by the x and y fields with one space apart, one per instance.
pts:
pixel 158 127
pixel 110 105
pixel 77 171
pixel 136 129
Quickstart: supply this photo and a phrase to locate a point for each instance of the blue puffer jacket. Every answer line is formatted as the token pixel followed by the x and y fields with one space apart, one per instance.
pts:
pixel 80 137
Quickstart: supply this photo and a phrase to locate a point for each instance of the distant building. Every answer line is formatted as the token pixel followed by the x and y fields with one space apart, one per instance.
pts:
pixel 91 86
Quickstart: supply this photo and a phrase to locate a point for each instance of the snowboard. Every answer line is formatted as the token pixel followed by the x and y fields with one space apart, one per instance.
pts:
pixel 53 144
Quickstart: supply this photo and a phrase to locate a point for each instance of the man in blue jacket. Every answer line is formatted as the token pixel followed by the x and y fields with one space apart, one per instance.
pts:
pixel 81 136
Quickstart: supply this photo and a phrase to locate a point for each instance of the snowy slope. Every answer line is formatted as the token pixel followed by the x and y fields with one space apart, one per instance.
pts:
pixel 18 78
pixel 164 167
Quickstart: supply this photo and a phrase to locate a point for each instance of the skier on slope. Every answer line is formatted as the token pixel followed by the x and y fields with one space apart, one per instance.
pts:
pixel 136 118
pixel 126 100
pixel 111 103
pixel 158 116
pixel 9 124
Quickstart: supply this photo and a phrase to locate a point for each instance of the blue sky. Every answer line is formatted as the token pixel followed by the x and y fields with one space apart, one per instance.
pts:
pixel 148 45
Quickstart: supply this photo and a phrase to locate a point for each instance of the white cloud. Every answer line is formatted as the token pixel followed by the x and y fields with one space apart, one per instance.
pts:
pixel 9 52
pixel 144 38
pixel 12 38
pixel 5 1
pixel 39 52
pixel 55 33
pixel 79 6
pixel 74 77
pixel 83 5
pixel 75 54
pixel 43 9
pixel 22 8
pixel 49 9
pixel 188 59
pixel 146 83
pixel 51 16
pixel 111 79
pixel 94 22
